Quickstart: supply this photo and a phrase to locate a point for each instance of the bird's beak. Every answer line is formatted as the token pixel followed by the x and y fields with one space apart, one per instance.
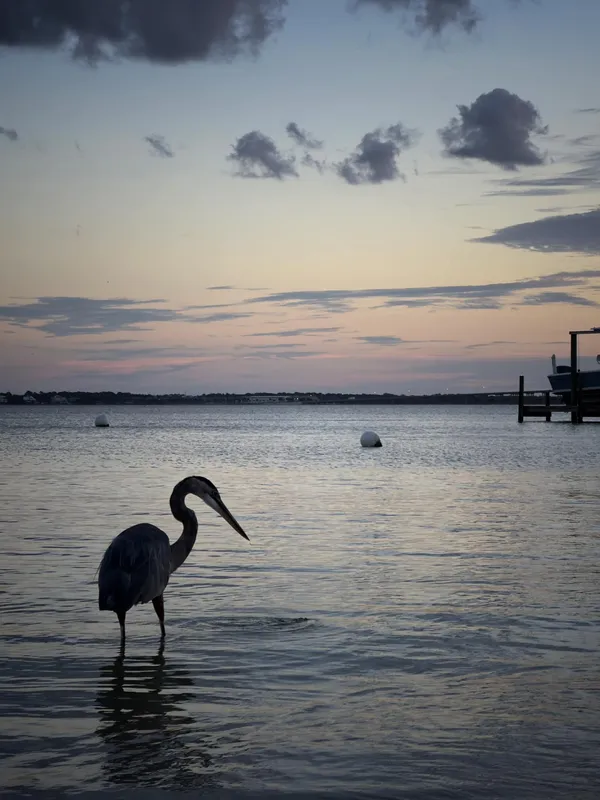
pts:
pixel 220 507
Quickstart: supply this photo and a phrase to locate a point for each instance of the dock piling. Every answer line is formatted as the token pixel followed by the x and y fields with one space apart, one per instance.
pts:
pixel 575 412
pixel 521 397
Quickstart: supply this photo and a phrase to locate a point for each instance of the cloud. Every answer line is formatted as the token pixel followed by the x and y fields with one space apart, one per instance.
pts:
pixel 432 15
pixel 257 156
pixel 375 158
pixel 159 146
pixel 497 127
pixel 587 140
pixel 488 344
pixel 296 332
pixel 464 297
pixel 548 298
pixel 77 316
pixel 385 341
pixel 269 346
pixel 393 341
pixel 182 31
pixel 223 316
pixel 173 32
pixel 283 354
pixel 308 160
pixel 136 353
pixel 568 233
pixel 223 288
pixel 302 137
pixel 9 133
pixel 308 142
pixel 585 177
pixel 210 305
pixel 588 110
pixel 406 302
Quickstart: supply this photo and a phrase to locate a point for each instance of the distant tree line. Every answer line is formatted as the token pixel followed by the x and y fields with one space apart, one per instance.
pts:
pixel 225 398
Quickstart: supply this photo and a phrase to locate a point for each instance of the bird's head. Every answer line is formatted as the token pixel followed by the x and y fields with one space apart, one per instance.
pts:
pixel 207 491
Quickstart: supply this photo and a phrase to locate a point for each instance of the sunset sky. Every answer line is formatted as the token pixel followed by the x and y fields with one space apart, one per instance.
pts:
pixel 382 195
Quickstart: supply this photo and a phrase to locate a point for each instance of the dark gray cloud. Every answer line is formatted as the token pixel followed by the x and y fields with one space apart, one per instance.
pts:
pixel 171 32
pixel 302 137
pixel 77 316
pixel 182 31
pixel 497 127
pixel 223 288
pixel 320 164
pixel 583 177
pixel 409 302
pixel 159 146
pixel 72 316
pixel 533 192
pixel 384 341
pixel 431 15
pixel 548 298
pixel 308 160
pixel 207 306
pixel 296 332
pixel 9 133
pixel 376 156
pixel 588 110
pixel 257 156
pixel 466 296
pixel 223 316
pixel 568 233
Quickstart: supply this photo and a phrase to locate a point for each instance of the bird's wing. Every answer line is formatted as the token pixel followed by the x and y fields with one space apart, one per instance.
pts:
pixel 135 568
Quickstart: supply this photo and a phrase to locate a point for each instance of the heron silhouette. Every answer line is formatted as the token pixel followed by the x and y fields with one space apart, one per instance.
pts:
pixel 138 563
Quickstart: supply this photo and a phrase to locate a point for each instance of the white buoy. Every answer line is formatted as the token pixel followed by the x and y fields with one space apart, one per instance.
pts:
pixel 370 439
pixel 101 421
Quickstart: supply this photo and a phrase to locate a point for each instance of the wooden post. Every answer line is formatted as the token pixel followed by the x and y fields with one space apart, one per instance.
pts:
pixel 521 396
pixel 548 409
pixel 575 416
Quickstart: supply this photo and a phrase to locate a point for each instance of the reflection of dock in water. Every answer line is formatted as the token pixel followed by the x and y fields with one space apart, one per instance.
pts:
pixel 143 727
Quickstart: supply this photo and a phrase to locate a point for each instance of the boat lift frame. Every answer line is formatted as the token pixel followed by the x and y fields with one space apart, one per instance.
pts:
pixel 575 405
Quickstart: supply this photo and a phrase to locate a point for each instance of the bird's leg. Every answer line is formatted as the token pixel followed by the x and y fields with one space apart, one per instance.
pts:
pixel 159 607
pixel 121 616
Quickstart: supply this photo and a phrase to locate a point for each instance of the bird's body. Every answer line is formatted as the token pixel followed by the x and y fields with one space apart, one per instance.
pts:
pixel 138 563
pixel 135 568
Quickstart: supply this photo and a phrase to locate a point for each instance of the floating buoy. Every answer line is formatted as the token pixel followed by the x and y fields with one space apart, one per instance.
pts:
pixel 370 439
pixel 101 421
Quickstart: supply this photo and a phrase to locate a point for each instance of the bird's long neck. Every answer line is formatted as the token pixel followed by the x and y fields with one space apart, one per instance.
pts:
pixel 181 549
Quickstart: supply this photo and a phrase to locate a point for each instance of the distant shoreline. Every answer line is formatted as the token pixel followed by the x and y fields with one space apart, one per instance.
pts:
pixel 260 398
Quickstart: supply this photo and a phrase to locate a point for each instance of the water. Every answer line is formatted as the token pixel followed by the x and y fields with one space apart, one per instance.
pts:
pixel 419 621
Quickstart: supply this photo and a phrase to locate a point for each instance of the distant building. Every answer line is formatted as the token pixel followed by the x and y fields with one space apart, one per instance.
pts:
pixel 29 398
pixel 59 400
pixel 3 399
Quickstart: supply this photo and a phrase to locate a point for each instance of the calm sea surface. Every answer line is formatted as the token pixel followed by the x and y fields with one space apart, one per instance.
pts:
pixel 419 621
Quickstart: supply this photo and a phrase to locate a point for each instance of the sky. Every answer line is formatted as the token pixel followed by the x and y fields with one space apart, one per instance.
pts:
pixel 313 195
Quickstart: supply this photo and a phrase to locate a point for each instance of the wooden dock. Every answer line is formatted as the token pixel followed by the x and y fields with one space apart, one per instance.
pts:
pixel 578 407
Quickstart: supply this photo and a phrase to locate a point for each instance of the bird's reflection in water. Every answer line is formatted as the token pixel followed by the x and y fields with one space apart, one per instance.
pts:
pixel 145 731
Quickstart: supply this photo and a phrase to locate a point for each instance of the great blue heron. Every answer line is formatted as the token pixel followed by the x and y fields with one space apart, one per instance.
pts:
pixel 139 561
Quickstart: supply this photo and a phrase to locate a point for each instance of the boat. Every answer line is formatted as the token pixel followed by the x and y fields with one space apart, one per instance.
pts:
pixel 588 382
